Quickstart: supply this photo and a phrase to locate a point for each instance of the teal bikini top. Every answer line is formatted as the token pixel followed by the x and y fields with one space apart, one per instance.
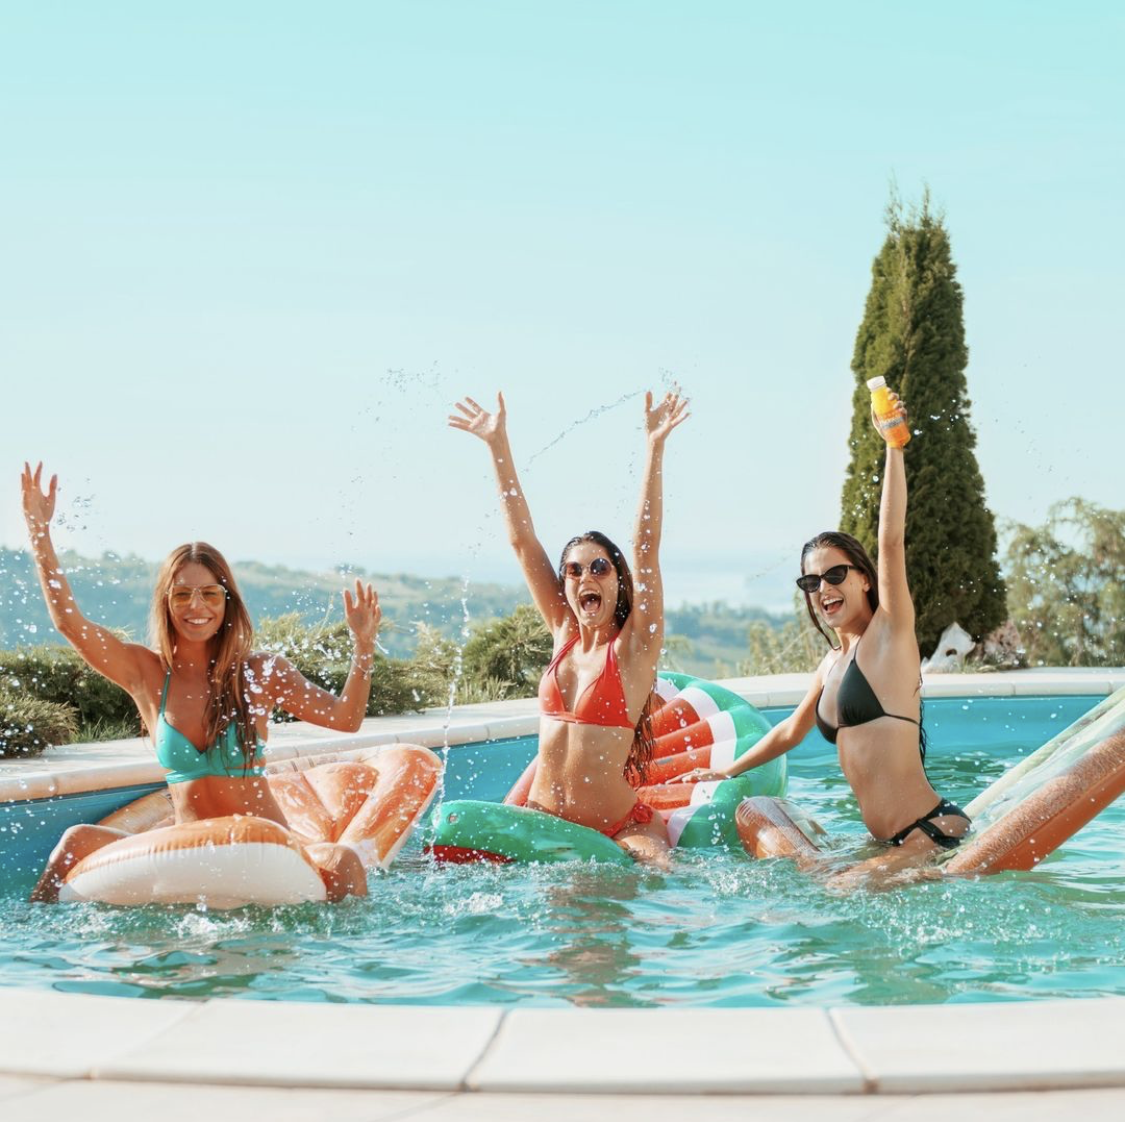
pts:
pixel 184 761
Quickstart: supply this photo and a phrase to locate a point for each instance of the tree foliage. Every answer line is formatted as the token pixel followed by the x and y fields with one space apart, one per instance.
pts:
pixel 913 335
pixel 1066 586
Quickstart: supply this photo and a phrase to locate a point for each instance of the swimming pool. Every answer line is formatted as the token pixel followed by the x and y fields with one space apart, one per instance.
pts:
pixel 721 931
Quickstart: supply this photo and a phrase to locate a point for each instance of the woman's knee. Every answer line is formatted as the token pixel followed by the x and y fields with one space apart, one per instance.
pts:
pixel 81 840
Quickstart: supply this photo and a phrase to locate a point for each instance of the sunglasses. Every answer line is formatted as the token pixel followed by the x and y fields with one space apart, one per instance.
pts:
pixel 599 567
pixel 810 582
pixel 211 594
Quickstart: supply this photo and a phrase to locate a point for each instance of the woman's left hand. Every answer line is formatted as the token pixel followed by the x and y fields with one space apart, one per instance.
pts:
pixel 363 613
pixel 698 775
pixel 665 416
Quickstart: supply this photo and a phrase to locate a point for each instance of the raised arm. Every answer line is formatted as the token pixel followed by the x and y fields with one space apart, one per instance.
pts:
pixel 120 662
pixel 538 572
pixel 647 616
pixel 289 689
pixel 894 592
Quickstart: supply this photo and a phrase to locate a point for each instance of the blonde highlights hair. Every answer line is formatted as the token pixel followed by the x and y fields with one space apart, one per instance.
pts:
pixel 230 649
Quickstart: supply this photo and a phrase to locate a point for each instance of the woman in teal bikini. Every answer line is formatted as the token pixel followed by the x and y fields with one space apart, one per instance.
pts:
pixel 865 698
pixel 204 695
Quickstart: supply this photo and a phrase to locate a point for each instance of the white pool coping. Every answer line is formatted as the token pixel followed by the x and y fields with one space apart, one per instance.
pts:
pixel 70 1052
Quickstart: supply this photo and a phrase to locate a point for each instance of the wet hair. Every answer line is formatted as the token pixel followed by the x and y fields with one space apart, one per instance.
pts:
pixel 644 743
pixel 853 549
pixel 230 648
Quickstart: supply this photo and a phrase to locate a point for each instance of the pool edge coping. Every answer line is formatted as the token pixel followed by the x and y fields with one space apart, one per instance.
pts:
pixel 1065 1044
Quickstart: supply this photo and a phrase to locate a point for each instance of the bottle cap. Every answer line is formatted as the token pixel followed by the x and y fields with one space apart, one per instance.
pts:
pixel 876 383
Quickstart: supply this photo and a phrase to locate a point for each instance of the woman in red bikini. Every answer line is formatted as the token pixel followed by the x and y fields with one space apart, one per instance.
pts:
pixel 595 694
pixel 865 698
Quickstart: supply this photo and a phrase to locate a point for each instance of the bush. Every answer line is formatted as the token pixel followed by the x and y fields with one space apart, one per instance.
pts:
pixel 29 724
pixel 511 652
pixel 794 647
pixel 58 675
pixel 323 654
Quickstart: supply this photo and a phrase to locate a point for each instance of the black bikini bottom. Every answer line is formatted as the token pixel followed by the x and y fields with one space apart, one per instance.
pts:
pixel 934 833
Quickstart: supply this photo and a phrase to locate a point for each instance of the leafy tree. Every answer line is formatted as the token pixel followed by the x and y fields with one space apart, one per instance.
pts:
pixel 913 335
pixel 1066 586
pixel 794 646
pixel 513 650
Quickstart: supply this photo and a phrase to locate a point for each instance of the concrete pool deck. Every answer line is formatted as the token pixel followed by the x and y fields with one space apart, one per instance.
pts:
pixel 63 1055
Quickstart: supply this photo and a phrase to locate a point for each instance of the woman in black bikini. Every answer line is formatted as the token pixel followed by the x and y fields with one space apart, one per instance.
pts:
pixel 871 710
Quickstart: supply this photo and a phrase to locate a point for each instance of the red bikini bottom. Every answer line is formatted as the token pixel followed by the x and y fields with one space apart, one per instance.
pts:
pixel 640 815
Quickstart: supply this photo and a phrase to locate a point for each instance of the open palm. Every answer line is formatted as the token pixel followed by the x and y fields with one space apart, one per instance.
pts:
pixel 473 418
pixel 38 508
pixel 665 416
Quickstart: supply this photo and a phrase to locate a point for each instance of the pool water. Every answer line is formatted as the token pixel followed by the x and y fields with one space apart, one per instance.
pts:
pixel 722 930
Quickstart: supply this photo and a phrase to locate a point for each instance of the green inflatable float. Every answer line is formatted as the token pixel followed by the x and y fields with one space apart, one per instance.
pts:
pixel 696 724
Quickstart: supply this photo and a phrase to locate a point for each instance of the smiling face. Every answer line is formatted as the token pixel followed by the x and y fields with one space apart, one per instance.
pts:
pixel 839 605
pixel 590 583
pixel 197 602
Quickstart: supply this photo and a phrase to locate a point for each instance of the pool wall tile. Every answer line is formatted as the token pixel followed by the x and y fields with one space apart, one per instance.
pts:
pixel 313 1045
pixel 438 736
pixel 510 728
pixel 68 1036
pixel 988 1047
pixel 774 1051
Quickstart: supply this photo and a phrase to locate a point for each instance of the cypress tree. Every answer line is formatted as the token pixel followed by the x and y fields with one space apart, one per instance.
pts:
pixel 913 335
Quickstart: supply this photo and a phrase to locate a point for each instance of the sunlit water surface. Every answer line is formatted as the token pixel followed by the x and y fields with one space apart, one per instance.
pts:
pixel 722 930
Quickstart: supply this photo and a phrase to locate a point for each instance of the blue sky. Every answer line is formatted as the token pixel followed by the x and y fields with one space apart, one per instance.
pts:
pixel 252 253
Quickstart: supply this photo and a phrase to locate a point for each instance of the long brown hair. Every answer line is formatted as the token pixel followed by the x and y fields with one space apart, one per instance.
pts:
pixel 644 743
pixel 853 549
pixel 230 648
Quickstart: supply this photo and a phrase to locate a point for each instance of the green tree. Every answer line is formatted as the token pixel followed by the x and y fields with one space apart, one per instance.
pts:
pixel 513 651
pixel 913 335
pixel 1066 585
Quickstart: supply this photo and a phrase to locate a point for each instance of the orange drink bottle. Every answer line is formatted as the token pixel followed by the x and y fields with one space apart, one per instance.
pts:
pixel 893 426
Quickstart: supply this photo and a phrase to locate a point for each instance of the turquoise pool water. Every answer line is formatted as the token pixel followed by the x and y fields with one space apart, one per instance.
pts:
pixel 722 930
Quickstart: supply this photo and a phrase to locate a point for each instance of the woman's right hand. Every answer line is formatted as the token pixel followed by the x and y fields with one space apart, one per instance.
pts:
pixel 490 427
pixel 38 508
pixel 699 775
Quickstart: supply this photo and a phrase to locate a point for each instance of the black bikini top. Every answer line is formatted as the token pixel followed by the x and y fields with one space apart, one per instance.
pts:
pixel 858 705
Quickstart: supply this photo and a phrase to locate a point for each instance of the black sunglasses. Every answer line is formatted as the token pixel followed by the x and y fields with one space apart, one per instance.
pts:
pixel 810 582
pixel 599 567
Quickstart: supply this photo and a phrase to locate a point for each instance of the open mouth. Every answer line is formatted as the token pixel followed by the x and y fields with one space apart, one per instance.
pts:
pixel 828 605
pixel 590 603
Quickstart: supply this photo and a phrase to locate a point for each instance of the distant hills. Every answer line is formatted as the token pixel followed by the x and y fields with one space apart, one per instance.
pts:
pixel 116 591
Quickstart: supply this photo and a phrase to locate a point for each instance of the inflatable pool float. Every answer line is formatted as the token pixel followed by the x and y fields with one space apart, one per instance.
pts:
pixel 1048 797
pixel 369 800
pixel 696 724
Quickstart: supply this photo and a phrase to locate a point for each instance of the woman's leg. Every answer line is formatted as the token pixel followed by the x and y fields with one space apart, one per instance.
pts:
pixel 646 842
pixel 771 827
pixel 77 843
pixel 340 868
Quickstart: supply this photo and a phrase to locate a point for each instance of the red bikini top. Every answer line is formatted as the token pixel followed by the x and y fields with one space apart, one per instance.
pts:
pixel 601 703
